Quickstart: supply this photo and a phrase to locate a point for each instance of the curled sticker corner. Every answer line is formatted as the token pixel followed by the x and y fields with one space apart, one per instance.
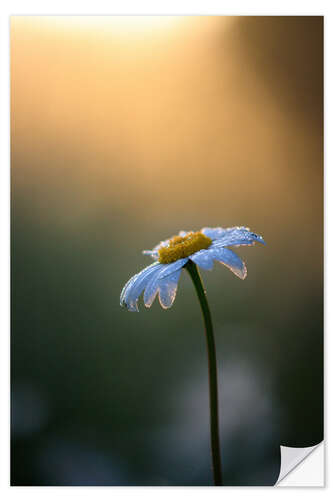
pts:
pixel 291 457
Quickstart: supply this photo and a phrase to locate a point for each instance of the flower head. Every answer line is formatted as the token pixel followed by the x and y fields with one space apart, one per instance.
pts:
pixel 170 256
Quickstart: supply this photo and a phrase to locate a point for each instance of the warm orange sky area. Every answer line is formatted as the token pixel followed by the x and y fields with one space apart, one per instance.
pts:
pixel 208 119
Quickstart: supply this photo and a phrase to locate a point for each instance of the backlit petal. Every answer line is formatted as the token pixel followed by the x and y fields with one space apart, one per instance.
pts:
pixel 203 259
pixel 213 232
pixel 231 260
pixel 235 236
pixel 166 270
pixel 135 286
pixel 153 253
pixel 167 288
pixel 171 268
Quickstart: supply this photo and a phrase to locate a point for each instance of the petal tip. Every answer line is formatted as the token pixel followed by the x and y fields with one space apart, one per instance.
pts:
pixel 165 307
pixel 241 273
pixel 259 238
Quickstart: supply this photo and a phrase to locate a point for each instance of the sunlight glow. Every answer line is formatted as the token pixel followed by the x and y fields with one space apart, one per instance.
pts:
pixel 122 26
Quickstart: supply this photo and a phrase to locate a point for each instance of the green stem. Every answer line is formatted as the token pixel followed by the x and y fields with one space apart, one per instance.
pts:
pixel 212 371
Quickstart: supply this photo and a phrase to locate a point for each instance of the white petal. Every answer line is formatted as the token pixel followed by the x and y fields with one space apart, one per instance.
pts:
pixel 168 288
pixel 165 271
pixel 153 253
pixel 235 236
pixel 231 260
pixel 135 286
pixel 150 291
pixel 204 259
pixel 213 232
pixel 171 268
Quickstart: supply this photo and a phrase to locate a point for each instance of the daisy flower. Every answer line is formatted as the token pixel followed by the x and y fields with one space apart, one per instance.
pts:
pixel 201 247
pixel 192 249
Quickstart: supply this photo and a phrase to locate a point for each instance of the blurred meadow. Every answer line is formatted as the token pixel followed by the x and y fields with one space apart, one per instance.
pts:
pixel 123 132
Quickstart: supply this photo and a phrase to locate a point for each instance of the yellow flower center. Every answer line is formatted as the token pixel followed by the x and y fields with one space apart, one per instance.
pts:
pixel 183 246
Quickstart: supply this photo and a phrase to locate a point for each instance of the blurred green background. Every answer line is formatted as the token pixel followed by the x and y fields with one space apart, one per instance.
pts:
pixel 123 132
